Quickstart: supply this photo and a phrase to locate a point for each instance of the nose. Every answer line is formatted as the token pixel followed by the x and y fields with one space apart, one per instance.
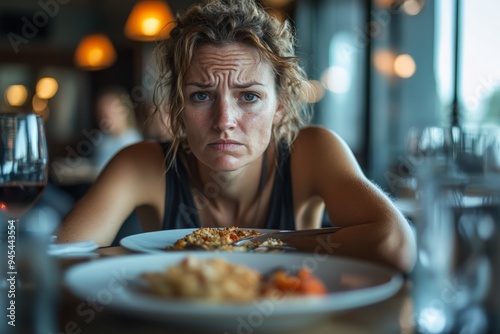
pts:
pixel 225 115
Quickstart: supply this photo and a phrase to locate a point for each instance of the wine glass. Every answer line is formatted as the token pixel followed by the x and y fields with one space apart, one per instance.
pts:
pixel 23 162
pixel 25 266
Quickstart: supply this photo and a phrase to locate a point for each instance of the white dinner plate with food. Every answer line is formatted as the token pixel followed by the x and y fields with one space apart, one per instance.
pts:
pixel 158 241
pixel 349 284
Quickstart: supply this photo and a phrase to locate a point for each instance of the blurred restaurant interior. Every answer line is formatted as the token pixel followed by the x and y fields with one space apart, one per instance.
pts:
pixel 377 68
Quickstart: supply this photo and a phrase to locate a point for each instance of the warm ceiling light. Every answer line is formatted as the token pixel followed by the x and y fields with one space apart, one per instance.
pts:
pixel 16 95
pixel 149 20
pixel 46 87
pixel 95 52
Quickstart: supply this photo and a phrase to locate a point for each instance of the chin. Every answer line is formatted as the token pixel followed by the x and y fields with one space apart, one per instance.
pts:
pixel 224 167
pixel 225 164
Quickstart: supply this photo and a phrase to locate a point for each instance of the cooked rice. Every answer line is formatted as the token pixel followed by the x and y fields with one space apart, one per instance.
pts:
pixel 221 239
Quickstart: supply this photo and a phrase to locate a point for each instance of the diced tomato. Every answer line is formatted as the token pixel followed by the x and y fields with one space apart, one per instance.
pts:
pixel 303 283
pixel 285 282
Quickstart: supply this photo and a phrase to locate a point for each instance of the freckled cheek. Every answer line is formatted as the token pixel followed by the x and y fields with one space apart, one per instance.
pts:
pixel 260 125
pixel 195 125
pixel 194 120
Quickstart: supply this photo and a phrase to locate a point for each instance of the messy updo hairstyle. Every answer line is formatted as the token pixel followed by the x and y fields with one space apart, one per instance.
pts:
pixel 218 23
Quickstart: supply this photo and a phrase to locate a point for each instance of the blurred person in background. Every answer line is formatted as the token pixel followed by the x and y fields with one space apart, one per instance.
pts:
pixel 117 121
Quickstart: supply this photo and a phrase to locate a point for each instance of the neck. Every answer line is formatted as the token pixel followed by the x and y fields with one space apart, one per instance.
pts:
pixel 235 186
pixel 232 198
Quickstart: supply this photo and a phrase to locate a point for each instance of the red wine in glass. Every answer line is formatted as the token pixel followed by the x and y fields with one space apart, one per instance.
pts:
pixel 18 197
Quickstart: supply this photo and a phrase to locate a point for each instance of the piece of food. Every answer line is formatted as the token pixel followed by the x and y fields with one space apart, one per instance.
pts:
pixel 213 280
pixel 217 280
pixel 209 238
pixel 301 283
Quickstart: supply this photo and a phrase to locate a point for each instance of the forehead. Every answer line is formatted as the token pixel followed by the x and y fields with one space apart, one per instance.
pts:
pixel 236 58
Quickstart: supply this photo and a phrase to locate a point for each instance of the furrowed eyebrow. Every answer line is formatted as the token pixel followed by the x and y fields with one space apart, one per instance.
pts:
pixel 248 84
pixel 240 86
pixel 199 85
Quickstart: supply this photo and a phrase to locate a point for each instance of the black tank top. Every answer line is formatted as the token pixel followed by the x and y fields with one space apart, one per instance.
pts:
pixel 181 211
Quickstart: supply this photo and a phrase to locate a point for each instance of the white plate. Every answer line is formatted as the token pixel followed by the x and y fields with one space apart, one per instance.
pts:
pixel 350 284
pixel 155 242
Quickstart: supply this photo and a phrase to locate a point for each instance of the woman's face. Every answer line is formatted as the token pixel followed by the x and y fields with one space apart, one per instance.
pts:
pixel 231 105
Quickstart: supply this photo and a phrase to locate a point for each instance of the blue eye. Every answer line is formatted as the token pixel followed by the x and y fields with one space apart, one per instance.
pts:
pixel 249 97
pixel 199 96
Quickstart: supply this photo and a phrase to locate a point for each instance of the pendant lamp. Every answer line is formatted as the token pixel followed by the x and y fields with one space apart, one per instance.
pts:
pixel 95 52
pixel 149 21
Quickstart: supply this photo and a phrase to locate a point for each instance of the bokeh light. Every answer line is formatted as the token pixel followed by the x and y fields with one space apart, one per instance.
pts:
pixel 383 60
pixel 336 79
pixel 46 88
pixel 16 95
pixel 412 7
pixel 404 66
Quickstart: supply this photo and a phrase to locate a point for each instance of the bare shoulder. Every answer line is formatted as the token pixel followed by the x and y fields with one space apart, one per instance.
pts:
pixel 321 159
pixel 317 138
pixel 138 165
pixel 319 147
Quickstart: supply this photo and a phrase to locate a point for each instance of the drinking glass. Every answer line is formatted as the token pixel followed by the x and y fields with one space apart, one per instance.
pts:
pixel 26 268
pixel 458 233
pixel 23 163
pixel 420 143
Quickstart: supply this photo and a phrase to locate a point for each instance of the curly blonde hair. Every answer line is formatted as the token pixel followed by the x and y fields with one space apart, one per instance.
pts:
pixel 221 22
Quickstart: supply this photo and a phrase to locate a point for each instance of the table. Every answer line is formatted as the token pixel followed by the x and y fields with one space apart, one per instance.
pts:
pixel 393 315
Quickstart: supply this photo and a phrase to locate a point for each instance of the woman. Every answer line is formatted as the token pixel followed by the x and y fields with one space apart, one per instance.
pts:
pixel 241 154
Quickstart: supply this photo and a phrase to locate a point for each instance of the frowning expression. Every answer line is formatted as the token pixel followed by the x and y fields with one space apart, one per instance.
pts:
pixel 231 105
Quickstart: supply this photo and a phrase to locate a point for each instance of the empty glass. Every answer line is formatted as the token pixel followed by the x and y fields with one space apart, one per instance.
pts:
pixel 458 233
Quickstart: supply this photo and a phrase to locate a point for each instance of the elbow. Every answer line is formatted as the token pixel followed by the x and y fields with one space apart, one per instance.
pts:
pixel 405 259
pixel 400 249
